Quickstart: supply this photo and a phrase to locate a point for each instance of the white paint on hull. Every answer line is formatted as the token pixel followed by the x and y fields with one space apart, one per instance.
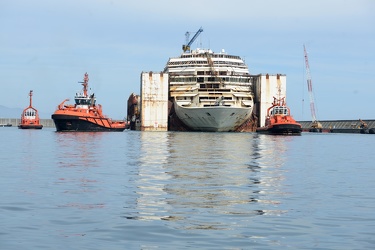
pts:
pixel 213 119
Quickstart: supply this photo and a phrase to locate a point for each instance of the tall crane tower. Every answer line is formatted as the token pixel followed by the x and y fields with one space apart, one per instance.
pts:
pixel 316 126
pixel 186 47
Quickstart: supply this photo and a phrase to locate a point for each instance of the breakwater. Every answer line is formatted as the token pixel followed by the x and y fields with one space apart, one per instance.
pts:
pixel 48 123
pixel 340 126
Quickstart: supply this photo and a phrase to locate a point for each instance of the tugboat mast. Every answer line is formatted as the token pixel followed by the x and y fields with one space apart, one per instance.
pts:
pixel 85 83
pixel 31 99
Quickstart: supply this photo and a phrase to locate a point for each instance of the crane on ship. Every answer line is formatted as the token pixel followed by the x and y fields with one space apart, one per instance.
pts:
pixel 316 126
pixel 186 47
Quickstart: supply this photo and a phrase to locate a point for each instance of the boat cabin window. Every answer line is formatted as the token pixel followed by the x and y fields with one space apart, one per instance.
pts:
pixel 30 112
pixel 279 111
pixel 84 101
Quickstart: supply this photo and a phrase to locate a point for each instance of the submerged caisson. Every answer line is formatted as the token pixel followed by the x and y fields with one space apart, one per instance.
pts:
pixel 84 115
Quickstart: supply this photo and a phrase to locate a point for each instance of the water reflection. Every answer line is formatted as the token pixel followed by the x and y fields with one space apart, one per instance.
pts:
pixel 193 177
pixel 273 150
pixel 150 160
pixel 267 165
pixel 79 149
pixel 76 154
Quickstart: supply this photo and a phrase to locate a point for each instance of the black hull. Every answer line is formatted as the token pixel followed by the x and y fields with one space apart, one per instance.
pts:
pixel 67 123
pixel 30 126
pixel 316 130
pixel 346 130
pixel 282 129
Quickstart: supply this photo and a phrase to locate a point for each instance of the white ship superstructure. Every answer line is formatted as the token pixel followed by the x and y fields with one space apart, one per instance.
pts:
pixel 211 91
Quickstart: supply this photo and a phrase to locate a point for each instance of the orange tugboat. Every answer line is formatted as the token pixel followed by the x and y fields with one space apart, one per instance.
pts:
pixel 279 120
pixel 30 117
pixel 84 115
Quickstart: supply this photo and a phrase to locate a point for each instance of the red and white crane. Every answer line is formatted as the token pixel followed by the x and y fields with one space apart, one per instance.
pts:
pixel 315 124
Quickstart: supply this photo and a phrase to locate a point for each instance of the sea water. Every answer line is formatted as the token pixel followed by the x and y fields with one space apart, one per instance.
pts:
pixel 185 190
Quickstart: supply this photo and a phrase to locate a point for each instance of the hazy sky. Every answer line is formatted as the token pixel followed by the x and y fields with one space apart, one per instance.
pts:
pixel 47 46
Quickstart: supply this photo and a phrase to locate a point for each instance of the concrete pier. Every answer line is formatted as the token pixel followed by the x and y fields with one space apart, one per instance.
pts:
pixel 47 123
pixel 341 126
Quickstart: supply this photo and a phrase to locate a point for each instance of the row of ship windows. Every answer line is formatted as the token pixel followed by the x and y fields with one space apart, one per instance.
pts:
pixel 222 73
pixel 202 73
pixel 212 56
pixel 205 63
pixel 210 79
pixel 84 102
pixel 213 98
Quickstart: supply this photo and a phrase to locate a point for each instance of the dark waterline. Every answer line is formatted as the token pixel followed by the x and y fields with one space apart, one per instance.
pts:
pixel 174 190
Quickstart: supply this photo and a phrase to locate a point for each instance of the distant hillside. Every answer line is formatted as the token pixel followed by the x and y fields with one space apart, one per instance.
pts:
pixel 6 112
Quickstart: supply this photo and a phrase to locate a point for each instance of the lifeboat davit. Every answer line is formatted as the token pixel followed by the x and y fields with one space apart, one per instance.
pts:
pixel 84 115
pixel 30 117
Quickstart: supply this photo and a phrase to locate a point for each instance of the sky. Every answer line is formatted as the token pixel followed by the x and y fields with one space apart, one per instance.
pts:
pixel 47 46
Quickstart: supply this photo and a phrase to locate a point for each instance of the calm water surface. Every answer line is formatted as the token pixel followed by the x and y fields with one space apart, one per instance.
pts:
pixel 175 190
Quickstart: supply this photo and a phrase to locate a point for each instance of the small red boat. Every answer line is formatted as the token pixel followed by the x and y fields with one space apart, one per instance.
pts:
pixel 30 117
pixel 84 115
pixel 279 120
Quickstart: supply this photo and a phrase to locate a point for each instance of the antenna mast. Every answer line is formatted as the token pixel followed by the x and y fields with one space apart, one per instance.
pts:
pixel 31 98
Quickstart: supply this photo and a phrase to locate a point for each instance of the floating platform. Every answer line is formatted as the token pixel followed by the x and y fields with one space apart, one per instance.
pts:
pixel 343 126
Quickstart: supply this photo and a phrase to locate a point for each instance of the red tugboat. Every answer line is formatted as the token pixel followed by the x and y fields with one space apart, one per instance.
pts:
pixel 84 115
pixel 30 117
pixel 279 120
